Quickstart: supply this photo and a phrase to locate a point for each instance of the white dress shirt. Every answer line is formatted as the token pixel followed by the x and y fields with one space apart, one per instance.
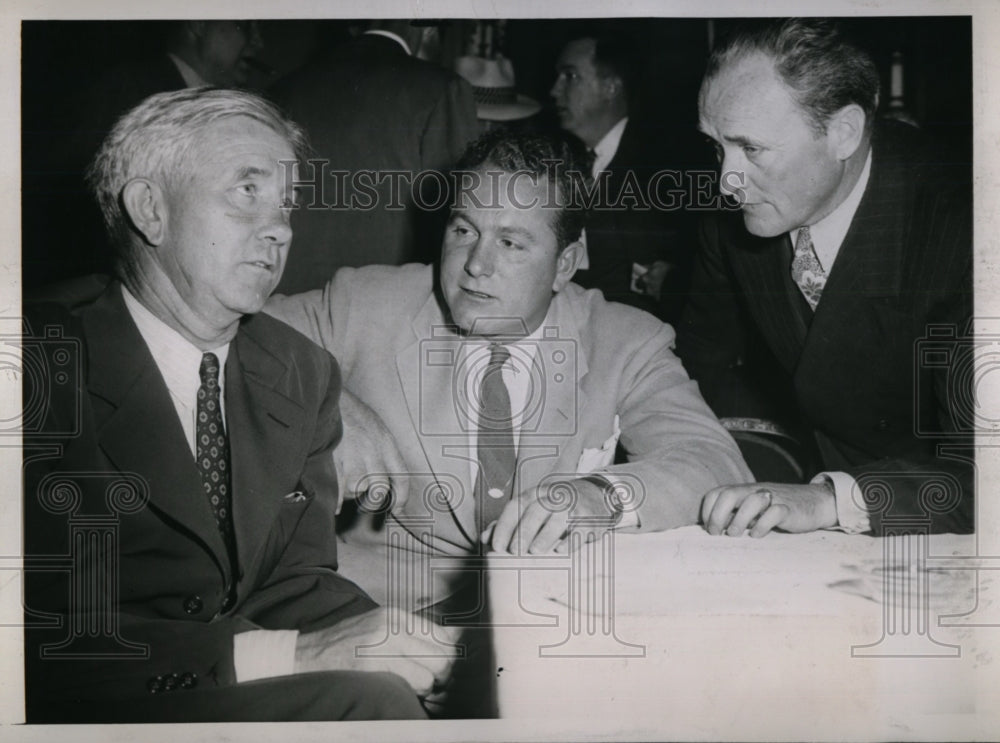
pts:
pixel 605 149
pixel 827 236
pixel 524 393
pixel 191 78
pixel 604 153
pixel 390 35
pixel 258 653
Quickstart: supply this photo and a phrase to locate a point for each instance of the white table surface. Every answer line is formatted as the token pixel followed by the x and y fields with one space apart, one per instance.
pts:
pixel 750 639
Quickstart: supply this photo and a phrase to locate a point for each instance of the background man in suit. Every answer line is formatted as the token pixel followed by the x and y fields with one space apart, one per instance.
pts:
pixel 850 247
pixel 228 573
pixel 630 249
pixel 507 387
pixel 373 106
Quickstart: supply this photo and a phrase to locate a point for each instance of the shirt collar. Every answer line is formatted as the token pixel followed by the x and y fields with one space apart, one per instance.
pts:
pixel 606 148
pixel 177 358
pixel 390 35
pixel 828 233
pixel 191 78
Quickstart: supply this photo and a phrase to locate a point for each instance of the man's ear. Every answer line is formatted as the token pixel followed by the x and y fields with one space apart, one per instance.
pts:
pixel 567 263
pixel 845 130
pixel 146 206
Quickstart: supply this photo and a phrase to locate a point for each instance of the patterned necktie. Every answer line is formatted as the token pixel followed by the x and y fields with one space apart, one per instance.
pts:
pixel 807 273
pixel 495 440
pixel 213 451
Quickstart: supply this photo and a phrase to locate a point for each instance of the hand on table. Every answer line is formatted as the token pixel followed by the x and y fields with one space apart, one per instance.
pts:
pixel 764 506
pixel 424 662
pixel 369 465
pixel 540 520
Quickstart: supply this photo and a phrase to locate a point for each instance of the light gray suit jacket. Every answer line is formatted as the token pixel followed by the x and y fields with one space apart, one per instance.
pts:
pixel 598 363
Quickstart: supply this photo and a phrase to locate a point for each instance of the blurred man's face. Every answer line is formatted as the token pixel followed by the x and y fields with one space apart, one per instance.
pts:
pixel 782 172
pixel 228 228
pixel 500 260
pixel 226 49
pixel 581 95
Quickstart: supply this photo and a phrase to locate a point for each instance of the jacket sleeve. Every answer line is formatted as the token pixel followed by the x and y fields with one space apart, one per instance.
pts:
pixel 676 448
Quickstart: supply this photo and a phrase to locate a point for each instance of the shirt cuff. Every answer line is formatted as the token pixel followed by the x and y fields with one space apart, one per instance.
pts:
pixel 851 518
pixel 264 653
pixel 629 515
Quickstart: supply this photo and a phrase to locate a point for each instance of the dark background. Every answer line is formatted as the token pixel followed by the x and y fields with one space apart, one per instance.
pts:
pixel 60 58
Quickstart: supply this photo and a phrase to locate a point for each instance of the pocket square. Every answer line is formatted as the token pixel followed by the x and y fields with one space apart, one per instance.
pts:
pixel 593 459
pixel 296 496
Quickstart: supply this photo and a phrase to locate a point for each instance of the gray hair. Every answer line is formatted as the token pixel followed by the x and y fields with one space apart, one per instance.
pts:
pixel 823 70
pixel 154 140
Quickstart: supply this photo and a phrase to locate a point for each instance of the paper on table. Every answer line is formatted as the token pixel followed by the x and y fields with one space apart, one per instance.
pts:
pixel 689 571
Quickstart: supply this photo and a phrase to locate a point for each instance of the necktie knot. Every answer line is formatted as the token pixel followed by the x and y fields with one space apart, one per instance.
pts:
pixel 209 371
pixel 498 355
pixel 807 272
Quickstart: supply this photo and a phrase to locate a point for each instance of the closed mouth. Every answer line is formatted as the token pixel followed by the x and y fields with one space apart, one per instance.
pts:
pixel 476 295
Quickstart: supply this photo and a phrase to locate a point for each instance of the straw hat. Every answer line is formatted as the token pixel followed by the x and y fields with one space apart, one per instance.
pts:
pixel 492 82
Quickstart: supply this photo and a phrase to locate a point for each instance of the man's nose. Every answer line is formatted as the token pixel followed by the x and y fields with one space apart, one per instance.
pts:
pixel 480 260
pixel 557 87
pixel 276 226
pixel 255 42
pixel 732 177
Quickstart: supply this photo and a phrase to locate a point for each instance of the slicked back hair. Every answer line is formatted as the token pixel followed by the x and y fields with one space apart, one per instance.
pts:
pixel 555 156
pixel 821 68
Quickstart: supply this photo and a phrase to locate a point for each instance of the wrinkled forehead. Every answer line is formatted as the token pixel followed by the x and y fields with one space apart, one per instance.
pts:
pixel 240 142
pixel 746 84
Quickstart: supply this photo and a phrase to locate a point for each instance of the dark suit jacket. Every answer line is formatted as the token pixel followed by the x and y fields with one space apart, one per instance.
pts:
pixel 117 442
pixel 368 106
pixel 857 372
pixel 629 226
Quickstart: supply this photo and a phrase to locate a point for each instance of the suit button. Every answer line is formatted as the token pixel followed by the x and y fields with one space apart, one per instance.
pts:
pixel 189 680
pixel 155 685
pixel 170 682
pixel 883 424
pixel 193 604
pixel 227 602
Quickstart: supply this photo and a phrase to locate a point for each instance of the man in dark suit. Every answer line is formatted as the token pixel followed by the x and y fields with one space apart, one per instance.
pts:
pixel 199 435
pixel 851 253
pixel 634 250
pixel 373 109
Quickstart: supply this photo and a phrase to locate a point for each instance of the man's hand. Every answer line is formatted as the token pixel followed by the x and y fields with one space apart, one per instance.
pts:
pixel 765 506
pixel 367 459
pixel 539 521
pixel 423 661
pixel 651 282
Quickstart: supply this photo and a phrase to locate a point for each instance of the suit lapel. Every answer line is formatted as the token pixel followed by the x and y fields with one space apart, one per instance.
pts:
pixel 546 444
pixel 427 374
pixel 765 263
pixel 868 265
pixel 142 433
pixel 259 419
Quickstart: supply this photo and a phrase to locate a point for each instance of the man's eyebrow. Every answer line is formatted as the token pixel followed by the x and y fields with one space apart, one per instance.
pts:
pixel 515 230
pixel 251 171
